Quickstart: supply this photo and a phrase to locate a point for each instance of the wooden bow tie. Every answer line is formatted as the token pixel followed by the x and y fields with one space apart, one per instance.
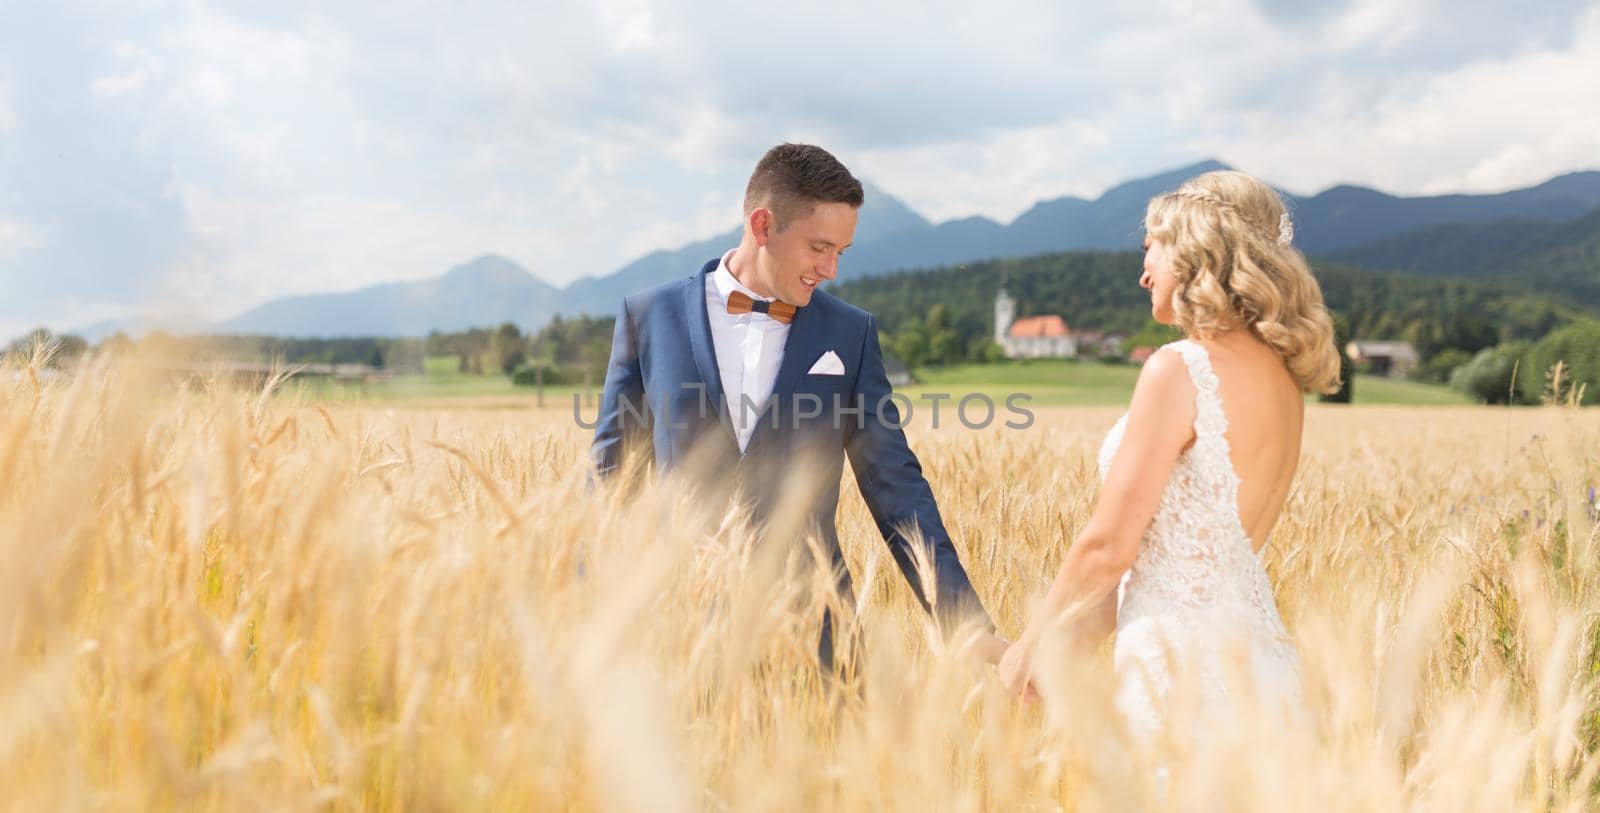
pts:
pixel 740 302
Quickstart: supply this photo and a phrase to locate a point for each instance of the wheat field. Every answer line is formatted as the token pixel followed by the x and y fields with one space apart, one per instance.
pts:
pixel 217 599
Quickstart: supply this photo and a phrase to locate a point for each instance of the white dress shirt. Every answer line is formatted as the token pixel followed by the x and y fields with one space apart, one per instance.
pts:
pixel 749 350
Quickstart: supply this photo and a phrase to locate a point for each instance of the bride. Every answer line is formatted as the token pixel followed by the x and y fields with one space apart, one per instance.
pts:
pixel 1195 474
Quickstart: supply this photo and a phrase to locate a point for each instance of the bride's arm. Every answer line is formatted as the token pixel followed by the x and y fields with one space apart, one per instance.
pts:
pixel 1085 634
pixel 1160 425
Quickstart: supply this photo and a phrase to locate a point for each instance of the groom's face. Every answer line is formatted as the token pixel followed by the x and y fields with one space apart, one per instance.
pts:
pixel 805 253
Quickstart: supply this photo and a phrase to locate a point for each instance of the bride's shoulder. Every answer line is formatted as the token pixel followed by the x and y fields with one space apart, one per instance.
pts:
pixel 1163 406
pixel 1165 374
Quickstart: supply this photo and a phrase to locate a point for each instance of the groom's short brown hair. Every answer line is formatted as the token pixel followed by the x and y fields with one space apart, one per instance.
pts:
pixel 792 178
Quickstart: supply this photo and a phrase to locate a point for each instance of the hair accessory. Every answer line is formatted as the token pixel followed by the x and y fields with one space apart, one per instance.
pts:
pixel 1285 229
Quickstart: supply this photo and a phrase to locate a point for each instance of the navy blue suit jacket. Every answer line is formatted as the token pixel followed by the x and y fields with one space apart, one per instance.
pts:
pixel 663 390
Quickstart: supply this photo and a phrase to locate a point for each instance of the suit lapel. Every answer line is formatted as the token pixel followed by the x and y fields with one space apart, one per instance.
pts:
pixel 703 347
pixel 705 350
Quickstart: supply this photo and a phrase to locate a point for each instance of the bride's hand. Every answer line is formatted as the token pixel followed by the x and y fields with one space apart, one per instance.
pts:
pixel 1015 669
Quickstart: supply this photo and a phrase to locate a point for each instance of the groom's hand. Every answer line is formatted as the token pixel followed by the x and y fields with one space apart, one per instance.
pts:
pixel 990 648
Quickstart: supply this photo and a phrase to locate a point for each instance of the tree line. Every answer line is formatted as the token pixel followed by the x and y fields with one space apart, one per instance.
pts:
pixel 1474 334
pixel 399 355
pixel 946 316
pixel 568 350
pixel 1561 368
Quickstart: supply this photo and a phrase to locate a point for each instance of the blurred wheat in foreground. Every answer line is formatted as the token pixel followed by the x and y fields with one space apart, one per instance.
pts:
pixel 216 599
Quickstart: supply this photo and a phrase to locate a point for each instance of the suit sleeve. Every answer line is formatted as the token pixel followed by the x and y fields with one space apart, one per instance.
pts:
pixel 891 483
pixel 624 416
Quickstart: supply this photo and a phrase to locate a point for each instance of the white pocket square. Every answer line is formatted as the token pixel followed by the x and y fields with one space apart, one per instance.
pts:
pixel 829 364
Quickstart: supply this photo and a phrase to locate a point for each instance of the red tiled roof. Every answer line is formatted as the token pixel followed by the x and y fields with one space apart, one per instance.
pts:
pixel 1038 326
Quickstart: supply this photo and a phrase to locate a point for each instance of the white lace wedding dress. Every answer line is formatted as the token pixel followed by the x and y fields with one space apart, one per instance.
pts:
pixel 1195 614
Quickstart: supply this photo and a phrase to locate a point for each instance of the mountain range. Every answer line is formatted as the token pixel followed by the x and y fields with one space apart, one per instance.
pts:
pixel 1520 231
pixel 1559 257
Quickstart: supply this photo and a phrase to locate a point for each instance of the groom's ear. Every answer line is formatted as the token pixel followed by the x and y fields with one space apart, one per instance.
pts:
pixel 761 225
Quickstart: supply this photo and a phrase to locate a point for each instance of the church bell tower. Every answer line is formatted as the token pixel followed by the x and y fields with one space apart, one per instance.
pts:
pixel 1005 312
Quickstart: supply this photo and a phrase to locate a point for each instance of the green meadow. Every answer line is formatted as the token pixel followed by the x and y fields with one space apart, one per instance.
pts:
pixel 1056 382
pixel 1047 382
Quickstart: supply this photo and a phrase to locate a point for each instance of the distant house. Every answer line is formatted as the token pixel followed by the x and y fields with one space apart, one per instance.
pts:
pixel 899 374
pixel 1099 343
pixel 1045 336
pixel 1392 359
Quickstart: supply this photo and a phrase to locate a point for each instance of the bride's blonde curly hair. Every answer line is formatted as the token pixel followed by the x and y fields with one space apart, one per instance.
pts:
pixel 1228 235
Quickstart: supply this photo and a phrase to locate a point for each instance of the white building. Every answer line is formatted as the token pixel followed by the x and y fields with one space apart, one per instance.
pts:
pixel 1032 336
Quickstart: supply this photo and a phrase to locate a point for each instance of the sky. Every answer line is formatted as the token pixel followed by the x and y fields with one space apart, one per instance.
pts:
pixel 197 158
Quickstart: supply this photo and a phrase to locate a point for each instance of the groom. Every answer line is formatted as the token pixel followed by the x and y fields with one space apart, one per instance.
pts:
pixel 750 366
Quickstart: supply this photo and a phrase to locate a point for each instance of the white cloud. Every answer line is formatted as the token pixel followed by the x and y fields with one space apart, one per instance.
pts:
pixel 999 176
pixel 222 153
pixel 8 118
pixel 1487 126
pixel 1384 23
pixel 17 237
pixel 135 68
pixel 121 84
pixel 330 243
pixel 1544 119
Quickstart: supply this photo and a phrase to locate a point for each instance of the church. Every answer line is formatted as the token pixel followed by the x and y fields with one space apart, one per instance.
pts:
pixel 1031 336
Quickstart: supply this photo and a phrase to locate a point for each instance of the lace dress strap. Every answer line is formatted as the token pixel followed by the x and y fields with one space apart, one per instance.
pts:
pixel 1210 422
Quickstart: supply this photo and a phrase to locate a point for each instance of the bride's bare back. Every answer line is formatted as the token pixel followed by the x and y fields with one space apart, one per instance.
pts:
pixel 1266 413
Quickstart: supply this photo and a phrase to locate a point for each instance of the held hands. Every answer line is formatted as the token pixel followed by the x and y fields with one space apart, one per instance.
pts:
pixel 1013 661
pixel 1016 668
